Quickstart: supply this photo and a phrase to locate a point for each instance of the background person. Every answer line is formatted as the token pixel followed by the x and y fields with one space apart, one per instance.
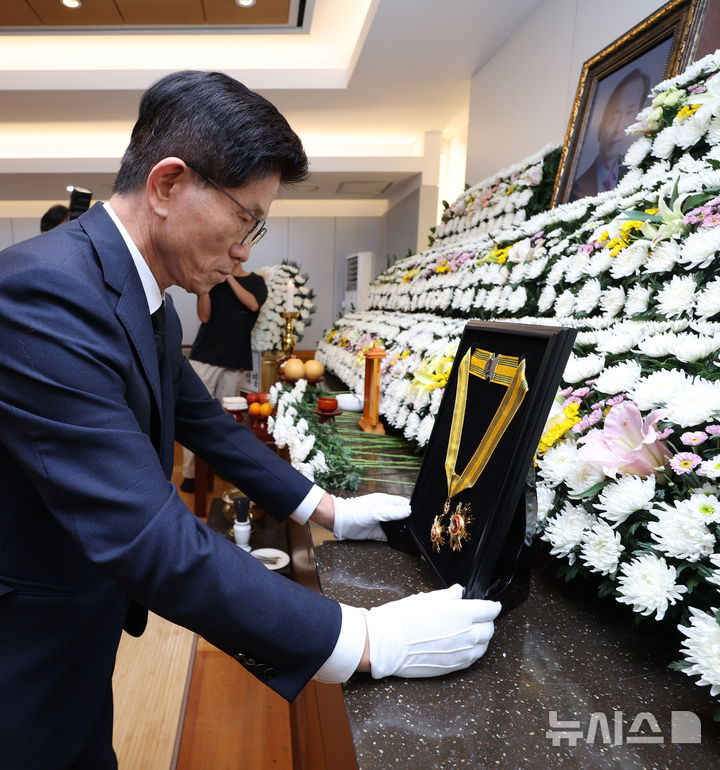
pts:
pixel 53 217
pixel 94 390
pixel 221 351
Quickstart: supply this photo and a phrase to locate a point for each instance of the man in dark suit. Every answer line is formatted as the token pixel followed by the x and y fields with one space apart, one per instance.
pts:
pixel 94 390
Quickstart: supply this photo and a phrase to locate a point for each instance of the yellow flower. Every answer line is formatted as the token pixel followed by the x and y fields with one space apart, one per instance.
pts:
pixel 432 373
pixel 685 112
pixel 333 333
pixel 410 274
pixel 558 425
pixel 443 267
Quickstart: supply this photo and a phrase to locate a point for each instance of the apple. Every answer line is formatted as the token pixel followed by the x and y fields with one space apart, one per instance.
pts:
pixel 262 398
pixel 251 398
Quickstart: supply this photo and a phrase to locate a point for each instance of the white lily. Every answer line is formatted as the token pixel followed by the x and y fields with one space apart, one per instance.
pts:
pixel 672 225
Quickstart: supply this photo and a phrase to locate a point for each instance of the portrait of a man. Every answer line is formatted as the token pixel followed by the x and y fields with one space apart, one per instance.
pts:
pixel 618 99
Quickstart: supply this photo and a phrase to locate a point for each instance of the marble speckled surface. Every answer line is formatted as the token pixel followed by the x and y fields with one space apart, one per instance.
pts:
pixel 563 650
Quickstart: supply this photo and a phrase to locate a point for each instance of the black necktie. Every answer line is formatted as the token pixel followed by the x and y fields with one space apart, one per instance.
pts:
pixel 158 323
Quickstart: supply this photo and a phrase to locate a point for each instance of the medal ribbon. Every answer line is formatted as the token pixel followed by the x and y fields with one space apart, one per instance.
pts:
pixel 508 371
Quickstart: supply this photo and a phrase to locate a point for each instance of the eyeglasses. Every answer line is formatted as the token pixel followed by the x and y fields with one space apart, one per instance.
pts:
pixel 257 229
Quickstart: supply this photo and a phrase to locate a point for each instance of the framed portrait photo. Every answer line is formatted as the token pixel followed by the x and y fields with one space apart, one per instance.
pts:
pixel 614 87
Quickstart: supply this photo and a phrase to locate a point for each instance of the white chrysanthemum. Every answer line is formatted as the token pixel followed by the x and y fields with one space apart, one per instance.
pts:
pixel 588 296
pixel 582 476
pixel 517 299
pixel 558 462
pixel 618 340
pixel 708 300
pixel 698 402
pixel 619 378
pixel 700 248
pixel 692 347
pixel 601 549
pixel 580 368
pixel 535 268
pixel 647 583
pixel 677 296
pixel 576 268
pixel 665 142
pixel 657 388
pixel 715 577
pixel 612 301
pixel 600 262
pixel 663 257
pixel 713 132
pixel 710 468
pixel 546 299
pixel 565 531
pixel 425 429
pixel 657 345
pixel 702 648
pixel 628 494
pixel 638 299
pixel 692 130
pixel 565 304
pixel 545 500
pixel 680 533
pixel 637 152
pixel 557 271
pixel 411 426
pixel 630 260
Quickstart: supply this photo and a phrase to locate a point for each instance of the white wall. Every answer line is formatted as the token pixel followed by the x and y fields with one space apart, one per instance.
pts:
pixel 521 99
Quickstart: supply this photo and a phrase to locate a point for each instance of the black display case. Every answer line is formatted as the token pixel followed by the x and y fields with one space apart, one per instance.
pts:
pixel 499 509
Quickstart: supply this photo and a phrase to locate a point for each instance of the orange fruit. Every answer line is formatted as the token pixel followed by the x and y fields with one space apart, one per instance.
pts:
pixel 266 409
pixel 255 409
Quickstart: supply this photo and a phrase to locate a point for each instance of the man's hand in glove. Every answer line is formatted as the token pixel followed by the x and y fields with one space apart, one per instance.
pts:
pixel 428 634
pixel 358 518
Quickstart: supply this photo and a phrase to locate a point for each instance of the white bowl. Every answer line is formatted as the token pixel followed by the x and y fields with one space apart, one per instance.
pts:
pixel 234 403
pixel 349 402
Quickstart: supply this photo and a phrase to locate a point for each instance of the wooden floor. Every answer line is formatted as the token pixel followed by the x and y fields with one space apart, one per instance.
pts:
pixel 181 704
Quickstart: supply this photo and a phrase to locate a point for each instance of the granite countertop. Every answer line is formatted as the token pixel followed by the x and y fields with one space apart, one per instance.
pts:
pixel 564 650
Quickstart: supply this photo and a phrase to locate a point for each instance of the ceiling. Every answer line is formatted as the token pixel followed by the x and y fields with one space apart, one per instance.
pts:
pixel 377 89
pixel 150 13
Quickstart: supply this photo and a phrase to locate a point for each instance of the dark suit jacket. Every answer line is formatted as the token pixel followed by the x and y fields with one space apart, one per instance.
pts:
pixel 88 518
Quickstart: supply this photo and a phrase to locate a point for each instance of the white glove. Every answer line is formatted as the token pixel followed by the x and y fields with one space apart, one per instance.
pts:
pixel 429 634
pixel 358 518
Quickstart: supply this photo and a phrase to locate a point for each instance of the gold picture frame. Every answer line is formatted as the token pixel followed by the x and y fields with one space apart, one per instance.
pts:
pixel 613 88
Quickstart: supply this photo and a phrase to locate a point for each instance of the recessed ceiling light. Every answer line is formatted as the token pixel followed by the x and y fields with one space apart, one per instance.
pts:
pixel 71 3
pixel 245 3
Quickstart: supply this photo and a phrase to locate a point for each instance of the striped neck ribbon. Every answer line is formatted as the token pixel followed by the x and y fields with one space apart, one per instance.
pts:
pixel 507 371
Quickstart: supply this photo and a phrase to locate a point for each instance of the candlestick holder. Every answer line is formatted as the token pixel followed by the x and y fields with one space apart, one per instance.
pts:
pixel 288 340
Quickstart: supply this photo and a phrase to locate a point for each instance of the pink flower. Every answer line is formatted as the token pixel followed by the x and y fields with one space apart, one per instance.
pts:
pixel 694 438
pixel 684 462
pixel 712 430
pixel 626 443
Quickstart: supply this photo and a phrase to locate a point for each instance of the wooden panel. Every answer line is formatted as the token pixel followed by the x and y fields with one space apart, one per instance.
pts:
pixel 149 685
pixel 232 720
pixel 17 13
pixel 321 737
pixel 162 11
pixel 52 12
pixel 263 12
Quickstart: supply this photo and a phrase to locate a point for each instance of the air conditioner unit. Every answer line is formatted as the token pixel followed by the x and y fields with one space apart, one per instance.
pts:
pixel 360 269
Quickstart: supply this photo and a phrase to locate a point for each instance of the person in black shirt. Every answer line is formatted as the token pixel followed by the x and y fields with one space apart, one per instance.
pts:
pixel 221 350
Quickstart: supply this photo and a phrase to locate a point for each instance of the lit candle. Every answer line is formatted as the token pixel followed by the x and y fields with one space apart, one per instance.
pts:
pixel 290 303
